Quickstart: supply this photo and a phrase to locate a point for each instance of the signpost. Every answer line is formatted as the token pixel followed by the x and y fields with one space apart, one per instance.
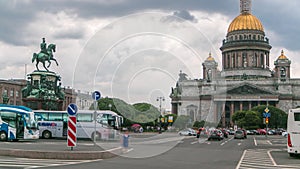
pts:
pixel 96 96
pixel 72 138
pixel 266 116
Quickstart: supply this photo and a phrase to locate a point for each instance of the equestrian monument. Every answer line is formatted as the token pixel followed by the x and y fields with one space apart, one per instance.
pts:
pixel 43 89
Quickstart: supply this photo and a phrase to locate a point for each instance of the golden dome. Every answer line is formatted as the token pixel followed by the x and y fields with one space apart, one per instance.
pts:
pixel 210 58
pixel 282 56
pixel 245 21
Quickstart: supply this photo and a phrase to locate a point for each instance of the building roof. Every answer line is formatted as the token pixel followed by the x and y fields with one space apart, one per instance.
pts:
pixel 282 56
pixel 245 21
pixel 210 58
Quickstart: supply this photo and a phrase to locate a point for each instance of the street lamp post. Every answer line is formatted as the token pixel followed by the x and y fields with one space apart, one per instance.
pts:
pixel 160 99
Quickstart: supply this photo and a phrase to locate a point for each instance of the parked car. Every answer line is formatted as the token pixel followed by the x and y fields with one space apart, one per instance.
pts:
pixel 284 134
pixel 262 131
pixel 239 134
pixel 216 135
pixel 187 132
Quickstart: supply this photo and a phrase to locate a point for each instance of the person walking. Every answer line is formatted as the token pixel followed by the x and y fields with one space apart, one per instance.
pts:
pixel 125 140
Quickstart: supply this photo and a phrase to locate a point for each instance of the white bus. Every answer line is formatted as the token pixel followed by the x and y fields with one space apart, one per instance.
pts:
pixel 293 130
pixel 17 122
pixel 54 124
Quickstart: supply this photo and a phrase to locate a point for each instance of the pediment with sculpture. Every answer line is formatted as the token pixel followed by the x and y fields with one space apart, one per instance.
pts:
pixel 249 89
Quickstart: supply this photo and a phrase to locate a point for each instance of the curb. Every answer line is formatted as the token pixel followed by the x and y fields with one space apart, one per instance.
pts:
pixel 63 155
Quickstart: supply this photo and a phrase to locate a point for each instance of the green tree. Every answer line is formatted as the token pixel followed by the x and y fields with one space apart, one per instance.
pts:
pixel 278 117
pixel 239 118
pixel 251 120
pixel 142 113
pixel 198 124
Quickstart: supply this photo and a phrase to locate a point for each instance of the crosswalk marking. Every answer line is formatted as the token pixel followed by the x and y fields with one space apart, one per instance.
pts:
pixel 259 159
pixel 27 163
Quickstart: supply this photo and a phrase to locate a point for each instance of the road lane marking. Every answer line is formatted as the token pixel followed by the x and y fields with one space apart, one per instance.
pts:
pixel 269 142
pixel 28 163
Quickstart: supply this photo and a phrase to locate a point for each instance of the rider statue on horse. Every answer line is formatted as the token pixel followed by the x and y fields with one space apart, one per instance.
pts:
pixel 46 54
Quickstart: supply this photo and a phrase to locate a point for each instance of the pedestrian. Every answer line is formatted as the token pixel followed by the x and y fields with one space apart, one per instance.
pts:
pixel 125 140
pixel 199 132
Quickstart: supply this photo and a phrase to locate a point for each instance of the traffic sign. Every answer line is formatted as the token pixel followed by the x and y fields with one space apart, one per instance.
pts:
pixel 267 110
pixel 266 114
pixel 96 95
pixel 72 109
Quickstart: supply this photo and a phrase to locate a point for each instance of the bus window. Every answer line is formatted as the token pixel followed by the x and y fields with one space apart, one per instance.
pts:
pixel 297 116
pixel 65 117
pixel 44 116
pixel 55 117
pixel 9 118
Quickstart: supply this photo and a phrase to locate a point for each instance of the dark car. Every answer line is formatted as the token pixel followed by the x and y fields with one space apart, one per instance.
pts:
pixel 225 133
pixel 216 135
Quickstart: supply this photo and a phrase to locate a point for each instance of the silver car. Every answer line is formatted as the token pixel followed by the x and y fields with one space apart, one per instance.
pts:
pixel 187 132
pixel 239 134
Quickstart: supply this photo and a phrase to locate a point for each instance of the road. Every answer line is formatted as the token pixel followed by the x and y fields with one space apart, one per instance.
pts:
pixel 189 152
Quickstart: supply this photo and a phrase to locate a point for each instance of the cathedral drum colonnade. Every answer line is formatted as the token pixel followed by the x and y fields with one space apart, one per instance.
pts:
pixel 245 81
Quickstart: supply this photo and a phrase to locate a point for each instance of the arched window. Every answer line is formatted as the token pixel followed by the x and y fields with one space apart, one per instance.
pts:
pixel 262 61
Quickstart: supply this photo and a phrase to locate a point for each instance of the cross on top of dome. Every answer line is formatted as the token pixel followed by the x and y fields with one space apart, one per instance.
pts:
pixel 245 6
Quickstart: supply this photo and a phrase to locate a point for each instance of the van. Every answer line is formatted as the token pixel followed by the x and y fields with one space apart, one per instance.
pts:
pixel 293 130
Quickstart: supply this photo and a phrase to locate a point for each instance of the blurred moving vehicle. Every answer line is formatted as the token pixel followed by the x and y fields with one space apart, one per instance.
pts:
pixel 187 132
pixel 239 134
pixel 216 135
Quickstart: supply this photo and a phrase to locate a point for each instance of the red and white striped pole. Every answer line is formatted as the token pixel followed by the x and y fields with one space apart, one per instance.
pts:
pixel 72 138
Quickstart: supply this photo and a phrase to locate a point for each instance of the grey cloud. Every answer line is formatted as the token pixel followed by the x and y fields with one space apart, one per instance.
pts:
pixel 281 19
pixel 70 33
pixel 181 16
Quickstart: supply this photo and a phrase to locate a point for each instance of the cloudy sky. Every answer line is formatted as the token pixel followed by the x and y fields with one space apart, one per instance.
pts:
pixel 133 49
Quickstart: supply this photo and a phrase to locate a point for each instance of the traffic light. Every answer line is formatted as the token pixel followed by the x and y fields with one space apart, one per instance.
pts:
pixel 267 120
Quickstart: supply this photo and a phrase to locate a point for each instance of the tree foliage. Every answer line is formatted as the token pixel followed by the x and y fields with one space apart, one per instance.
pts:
pixel 278 117
pixel 138 113
pixel 246 119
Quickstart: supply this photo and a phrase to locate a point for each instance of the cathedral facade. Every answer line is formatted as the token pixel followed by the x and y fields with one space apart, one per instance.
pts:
pixel 245 80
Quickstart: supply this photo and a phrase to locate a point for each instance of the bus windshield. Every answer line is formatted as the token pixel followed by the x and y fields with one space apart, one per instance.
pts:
pixel 31 121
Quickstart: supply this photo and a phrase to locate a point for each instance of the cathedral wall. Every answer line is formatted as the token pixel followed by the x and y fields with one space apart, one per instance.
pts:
pixel 189 108
pixel 296 89
pixel 189 88
pixel 207 110
pixel 285 105
pixel 285 88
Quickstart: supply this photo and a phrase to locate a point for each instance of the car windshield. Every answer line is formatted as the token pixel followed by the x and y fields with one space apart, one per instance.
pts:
pixel 239 131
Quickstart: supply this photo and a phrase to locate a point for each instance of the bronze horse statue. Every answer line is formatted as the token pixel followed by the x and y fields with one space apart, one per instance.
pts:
pixel 43 57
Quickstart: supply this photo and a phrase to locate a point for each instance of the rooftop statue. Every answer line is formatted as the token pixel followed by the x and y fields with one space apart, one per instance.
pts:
pixel 46 54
